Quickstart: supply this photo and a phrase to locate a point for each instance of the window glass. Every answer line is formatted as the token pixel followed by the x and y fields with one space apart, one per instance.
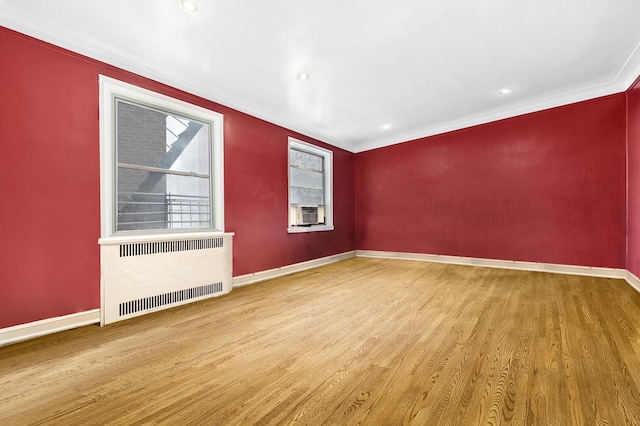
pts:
pixel 307 179
pixel 164 169
pixel 309 187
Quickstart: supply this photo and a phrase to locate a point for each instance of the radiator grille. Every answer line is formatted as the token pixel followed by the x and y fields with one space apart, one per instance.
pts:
pixel 133 306
pixel 143 249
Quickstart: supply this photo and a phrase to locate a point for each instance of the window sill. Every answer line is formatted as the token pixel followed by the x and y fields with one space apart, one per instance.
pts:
pixel 154 237
pixel 299 229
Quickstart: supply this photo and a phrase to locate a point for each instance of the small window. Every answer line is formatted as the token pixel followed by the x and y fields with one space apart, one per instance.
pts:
pixel 310 188
pixel 161 162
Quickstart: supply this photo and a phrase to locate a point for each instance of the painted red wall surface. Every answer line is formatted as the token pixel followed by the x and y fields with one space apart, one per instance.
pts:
pixel 547 187
pixel 50 184
pixel 256 191
pixel 50 207
pixel 543 187
pixel 633 161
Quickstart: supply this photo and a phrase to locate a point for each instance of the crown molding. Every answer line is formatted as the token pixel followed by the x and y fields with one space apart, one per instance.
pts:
pixel 501 114
pixel 63 37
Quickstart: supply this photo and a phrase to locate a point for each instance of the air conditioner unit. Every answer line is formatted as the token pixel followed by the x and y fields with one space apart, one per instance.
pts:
pixel 306 215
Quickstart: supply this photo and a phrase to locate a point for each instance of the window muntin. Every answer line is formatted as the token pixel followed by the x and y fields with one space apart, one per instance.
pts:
pixel 161 163
pixel 310 187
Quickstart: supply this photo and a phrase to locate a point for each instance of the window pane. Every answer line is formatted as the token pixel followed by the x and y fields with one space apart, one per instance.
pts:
pixel 176 202
pixel 188 201
pixel 306 178
pixel 140 210
pixel 153 138
pixel 140 134
pixel 307 196
pixel 164 167
pixel 305 160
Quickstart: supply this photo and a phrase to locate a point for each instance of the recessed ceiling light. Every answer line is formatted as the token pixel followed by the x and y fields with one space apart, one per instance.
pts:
pixel 385 126
pixel 303 76
pixel 189 6
pixel 505 91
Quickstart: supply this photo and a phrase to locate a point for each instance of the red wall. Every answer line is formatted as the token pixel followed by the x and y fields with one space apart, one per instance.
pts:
pixel 545 187
pixel 50 184
pixel 256 190
pixel 633 165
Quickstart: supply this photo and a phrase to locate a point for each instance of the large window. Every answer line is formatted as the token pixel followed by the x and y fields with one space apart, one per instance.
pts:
pixel 310 187
pixel 161 162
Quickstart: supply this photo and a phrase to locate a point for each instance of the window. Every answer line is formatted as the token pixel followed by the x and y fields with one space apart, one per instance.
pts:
pixel 310 188
pixel 161 162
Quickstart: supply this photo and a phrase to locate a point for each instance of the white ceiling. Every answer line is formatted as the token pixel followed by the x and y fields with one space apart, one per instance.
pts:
pixel 421 67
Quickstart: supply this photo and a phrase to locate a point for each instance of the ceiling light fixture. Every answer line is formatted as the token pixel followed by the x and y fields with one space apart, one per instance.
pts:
pixel 385 126
pixel 505 91
pixel 189 6
pixel 303 76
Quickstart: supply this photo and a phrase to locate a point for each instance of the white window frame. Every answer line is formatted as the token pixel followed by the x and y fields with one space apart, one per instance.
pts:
pixel 328 186
pixel 109 90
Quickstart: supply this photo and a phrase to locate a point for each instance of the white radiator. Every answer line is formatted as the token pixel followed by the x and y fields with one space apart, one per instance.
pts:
pixel 142 274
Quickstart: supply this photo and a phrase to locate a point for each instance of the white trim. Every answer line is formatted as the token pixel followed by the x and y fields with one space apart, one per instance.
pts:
pixel 314 228
pixel 110 88
pixel 590 271
pixel 50 32
pixel 138 238
pixel 255 277
pixel 34 329
pixel 630 70
pixel 633 281
pixel 586 94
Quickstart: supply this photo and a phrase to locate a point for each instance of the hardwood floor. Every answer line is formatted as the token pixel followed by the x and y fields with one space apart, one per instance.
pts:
pixel 363 341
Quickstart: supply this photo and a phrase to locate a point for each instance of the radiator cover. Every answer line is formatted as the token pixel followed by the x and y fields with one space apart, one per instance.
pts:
pixel 142 274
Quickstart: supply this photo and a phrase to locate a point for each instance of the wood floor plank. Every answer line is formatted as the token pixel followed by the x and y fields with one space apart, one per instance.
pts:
pixel 363 341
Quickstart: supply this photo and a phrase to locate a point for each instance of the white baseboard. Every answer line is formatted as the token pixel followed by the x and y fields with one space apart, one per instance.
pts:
pixel 30 330
pixel 255 277
pixel 504 264
pixel 52 325
pixel 633 281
